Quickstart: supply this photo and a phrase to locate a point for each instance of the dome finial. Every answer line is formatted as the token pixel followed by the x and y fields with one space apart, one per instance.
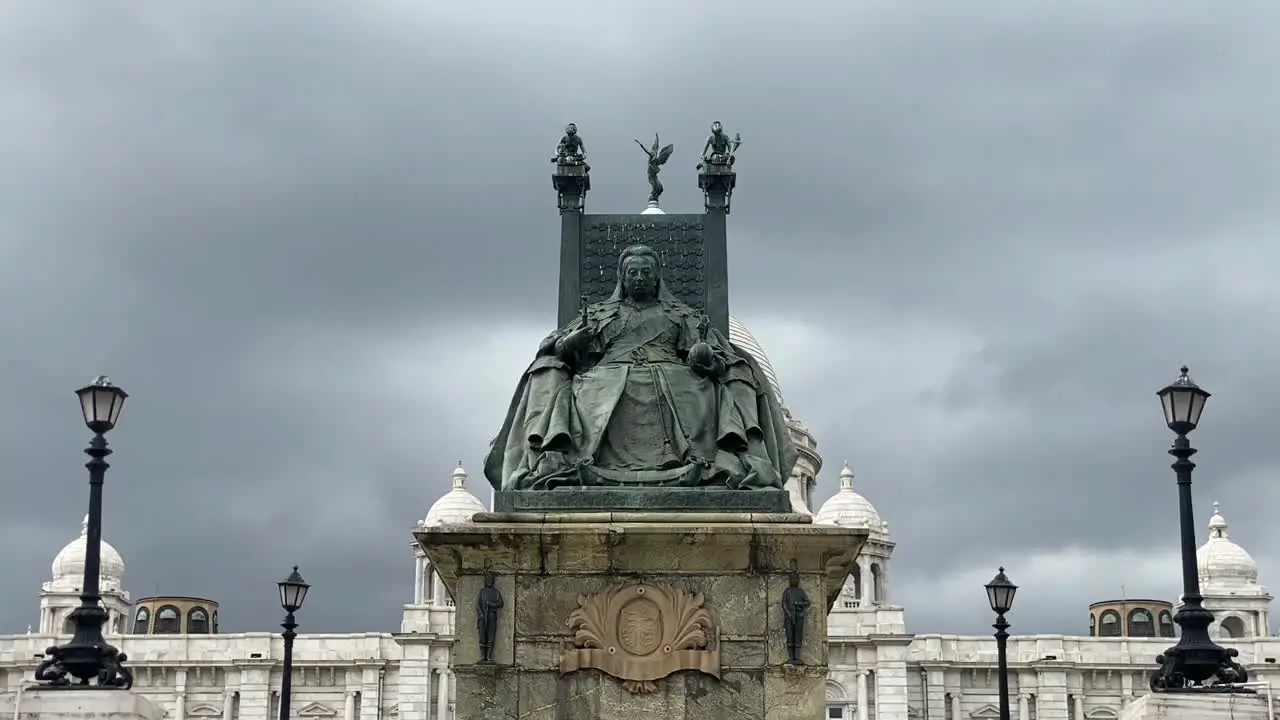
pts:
pixel 459 477
pixel 846 477
pixel 1217 523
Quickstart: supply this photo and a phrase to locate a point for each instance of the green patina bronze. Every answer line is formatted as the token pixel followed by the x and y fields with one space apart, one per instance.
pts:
pixel 640 390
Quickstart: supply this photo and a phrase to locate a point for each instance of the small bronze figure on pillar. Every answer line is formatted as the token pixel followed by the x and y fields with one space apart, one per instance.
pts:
pixel 572 175
pixel 488 603
pixel 795 607
pixel 657 158
pixel 570 150
pixel 719 150
pixel 715 173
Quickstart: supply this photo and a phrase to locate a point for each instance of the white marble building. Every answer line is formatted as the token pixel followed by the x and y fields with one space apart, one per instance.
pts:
pixel 878 669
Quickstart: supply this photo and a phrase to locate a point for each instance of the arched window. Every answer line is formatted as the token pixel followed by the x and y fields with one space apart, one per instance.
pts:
pixel 857 584
pixel 1141 624
pixel 1109 624
pixel 876 590
pixel 198 621
pixel 168 621
pixel 142 621
pixel 1166 624
pixel 1233 627
pixel 215 622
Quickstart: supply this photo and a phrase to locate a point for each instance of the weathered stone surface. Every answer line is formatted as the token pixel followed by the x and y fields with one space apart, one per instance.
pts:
pixel 738 563
pixel 1197 706
pixel 486 692
pixel 642 499
pixel 42 703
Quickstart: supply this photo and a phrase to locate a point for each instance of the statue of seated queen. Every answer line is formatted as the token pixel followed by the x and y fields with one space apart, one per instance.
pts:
pixel 640 390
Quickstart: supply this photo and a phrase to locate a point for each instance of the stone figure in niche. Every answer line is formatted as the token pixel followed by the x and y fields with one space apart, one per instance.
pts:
pixel 488 603
pixel 641 390
pixel 570 150
pixel 795 607
pixel 657 158
pixel 719 150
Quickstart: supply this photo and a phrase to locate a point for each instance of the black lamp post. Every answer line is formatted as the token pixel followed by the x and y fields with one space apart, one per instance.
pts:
pixel 1000 592
pixel 293 590
pixel 88 657
pixel 1196 662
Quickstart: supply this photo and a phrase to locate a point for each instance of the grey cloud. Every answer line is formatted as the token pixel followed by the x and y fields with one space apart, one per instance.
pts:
pixel 227 208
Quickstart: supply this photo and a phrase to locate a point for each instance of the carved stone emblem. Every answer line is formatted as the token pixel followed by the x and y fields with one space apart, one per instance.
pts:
pixel 641 634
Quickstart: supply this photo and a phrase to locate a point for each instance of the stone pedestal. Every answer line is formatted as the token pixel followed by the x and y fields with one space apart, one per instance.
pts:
pixel 1197 706
pixel 70 703
pixel 621 615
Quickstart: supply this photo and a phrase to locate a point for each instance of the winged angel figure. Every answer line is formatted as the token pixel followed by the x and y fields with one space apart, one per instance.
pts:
pixel 657 158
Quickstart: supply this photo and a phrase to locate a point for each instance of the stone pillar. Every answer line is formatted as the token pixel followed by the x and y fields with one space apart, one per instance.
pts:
pixel 180 695
pixel 349 701
pixel 442 701
pixel 1077 707
pixel 862 695
pixel 936 701
pixel 417 579
pixel 1024 706
pixel 228 706
pixel 955 706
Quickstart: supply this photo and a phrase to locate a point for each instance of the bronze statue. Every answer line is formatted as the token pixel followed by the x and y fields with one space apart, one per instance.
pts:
pixel 657 158
pixel 641 390
pixel 795 607
pixel 719 150
pixel 488 603
pixel 570 150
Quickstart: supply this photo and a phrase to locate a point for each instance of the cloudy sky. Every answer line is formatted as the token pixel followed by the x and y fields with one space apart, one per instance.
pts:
pixel 317 242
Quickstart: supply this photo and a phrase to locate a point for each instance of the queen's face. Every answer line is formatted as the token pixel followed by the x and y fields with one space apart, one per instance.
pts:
pixel 640 278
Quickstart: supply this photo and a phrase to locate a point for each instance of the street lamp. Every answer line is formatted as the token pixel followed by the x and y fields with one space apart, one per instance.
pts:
pixel 293 590
pixel 88 656
pixel 1000 592
pixel 1196 662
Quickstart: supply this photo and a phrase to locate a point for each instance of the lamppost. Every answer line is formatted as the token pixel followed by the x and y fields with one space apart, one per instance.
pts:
pixel 1196 662
pixel 293 590
pixel 1000 592
pixel 87 656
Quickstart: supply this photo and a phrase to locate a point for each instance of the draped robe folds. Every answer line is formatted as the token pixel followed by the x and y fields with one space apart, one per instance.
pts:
pixel 630 411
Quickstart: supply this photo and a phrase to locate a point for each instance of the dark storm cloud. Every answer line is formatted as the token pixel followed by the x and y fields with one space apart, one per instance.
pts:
pixel 257 216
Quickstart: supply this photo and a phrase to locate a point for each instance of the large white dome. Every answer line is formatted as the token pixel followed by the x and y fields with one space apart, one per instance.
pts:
pixel 456 506
pixel 68 564
pixel 739 335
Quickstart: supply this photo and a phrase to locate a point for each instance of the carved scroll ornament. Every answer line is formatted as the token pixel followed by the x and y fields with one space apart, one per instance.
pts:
pixel 641 634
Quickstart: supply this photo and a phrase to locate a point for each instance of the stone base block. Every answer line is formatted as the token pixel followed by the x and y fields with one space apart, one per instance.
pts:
pixel 1197 706
pixel 617 615
pixel 596 499
pixel 73 703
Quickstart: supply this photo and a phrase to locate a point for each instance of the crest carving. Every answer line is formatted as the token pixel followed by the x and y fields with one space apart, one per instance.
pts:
pixel 641 634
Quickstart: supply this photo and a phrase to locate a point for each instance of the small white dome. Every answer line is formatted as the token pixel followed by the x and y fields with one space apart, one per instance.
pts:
pixel 68 564
pixel 457 506
pixel 1221 561
pixel 849 509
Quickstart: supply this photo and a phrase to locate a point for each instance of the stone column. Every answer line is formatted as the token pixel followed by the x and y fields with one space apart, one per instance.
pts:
pixel 1024 706
pixel 180 695
pixel 417 579
pixel 955 706
pixel 349 703
pixel 1077 707
pixel 228 705
pixel 862 695
pixel 442 702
